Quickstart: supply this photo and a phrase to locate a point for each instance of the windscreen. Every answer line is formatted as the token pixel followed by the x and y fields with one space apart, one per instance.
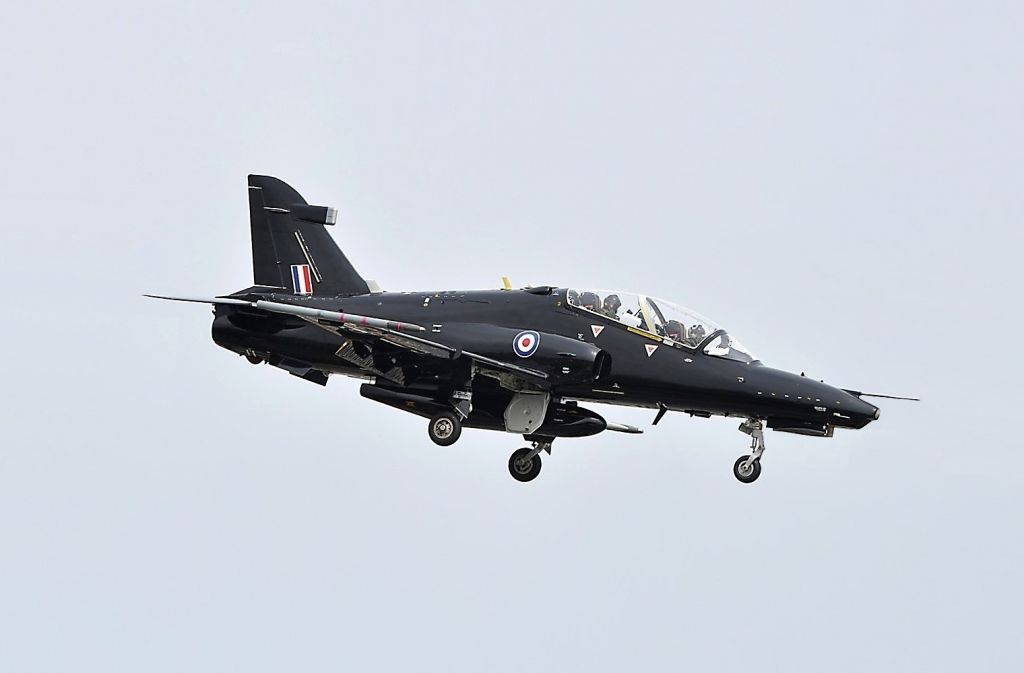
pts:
pixel 725 346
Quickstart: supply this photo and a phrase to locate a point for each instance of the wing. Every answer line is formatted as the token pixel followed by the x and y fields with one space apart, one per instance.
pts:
pixel 402 335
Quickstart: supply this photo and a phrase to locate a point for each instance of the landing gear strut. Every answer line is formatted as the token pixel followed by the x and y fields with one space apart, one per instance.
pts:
pixel 524 464
pixel 462 394
pixel 444 428
pixel 748 468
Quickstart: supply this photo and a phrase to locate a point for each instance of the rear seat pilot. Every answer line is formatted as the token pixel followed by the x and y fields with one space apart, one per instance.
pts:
pixel 611 306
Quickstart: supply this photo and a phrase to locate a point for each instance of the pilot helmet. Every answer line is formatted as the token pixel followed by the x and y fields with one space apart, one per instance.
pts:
pixel 612 303
pixel 675 330
pixel 573 297
pixel 590 300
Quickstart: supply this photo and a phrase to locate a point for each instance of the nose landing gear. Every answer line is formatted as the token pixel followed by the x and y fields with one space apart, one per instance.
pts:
pixel 747 468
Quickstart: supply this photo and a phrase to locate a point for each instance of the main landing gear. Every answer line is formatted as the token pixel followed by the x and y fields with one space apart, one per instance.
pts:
pixel 748 468
pixel 524 464
pixel 445 428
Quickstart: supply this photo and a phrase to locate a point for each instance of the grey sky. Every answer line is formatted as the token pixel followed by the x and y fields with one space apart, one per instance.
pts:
pixel 841 186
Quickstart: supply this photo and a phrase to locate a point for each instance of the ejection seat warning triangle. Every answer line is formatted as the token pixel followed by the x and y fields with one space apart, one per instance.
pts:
pixel 650 349
pixel 597 329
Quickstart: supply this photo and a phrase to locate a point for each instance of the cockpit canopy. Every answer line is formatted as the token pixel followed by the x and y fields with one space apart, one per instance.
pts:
pixel 677 325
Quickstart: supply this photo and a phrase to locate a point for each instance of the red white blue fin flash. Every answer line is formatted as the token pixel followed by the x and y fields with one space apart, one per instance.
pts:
pixel 302 282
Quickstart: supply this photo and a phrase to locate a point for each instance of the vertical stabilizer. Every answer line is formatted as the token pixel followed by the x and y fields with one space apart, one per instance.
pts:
pixel 291 248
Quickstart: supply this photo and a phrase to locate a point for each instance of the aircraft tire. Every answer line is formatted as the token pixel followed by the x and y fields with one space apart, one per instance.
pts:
pixel 254 359
pixel 520 472
pixel 749 475
pixel 444 429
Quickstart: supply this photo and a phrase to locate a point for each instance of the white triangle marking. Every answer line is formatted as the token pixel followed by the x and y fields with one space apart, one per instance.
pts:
pixel 650 349
pixel 596 329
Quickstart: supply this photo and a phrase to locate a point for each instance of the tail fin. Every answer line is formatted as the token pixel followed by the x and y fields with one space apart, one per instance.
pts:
pixel 290 244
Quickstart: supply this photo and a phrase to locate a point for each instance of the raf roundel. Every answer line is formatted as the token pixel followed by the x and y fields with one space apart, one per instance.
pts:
pixel 526 343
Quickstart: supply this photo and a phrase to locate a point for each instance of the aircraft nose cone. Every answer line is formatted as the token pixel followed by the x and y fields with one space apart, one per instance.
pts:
pixel 798 398
pixel 861 412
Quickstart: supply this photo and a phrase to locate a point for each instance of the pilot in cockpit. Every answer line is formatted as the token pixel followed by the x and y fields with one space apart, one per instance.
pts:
pixel 590 301
pixel 611 306
pixel 674 330
pixel 697 335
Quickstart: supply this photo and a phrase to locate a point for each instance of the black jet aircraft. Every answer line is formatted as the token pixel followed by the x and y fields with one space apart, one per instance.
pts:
pixel 517 361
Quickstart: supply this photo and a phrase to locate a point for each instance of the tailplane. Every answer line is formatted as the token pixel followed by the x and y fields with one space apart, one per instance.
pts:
pixel 291 248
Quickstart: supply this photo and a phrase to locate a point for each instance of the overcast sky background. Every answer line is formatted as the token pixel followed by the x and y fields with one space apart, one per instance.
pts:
pixel 839 186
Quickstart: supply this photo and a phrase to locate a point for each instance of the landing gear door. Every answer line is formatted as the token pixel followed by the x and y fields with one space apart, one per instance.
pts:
pixel 526 412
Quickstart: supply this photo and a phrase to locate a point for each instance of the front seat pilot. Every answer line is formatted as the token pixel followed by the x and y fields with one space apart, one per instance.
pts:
pixel 590 301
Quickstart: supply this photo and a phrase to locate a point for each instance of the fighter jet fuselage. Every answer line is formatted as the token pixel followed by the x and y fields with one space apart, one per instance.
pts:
pixel 617 366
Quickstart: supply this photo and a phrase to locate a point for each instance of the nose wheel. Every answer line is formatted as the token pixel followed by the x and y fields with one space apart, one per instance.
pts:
pixel 748 468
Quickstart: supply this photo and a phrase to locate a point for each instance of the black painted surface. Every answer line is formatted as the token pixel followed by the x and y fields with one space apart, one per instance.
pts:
pixel 486 322
pixel 618 366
